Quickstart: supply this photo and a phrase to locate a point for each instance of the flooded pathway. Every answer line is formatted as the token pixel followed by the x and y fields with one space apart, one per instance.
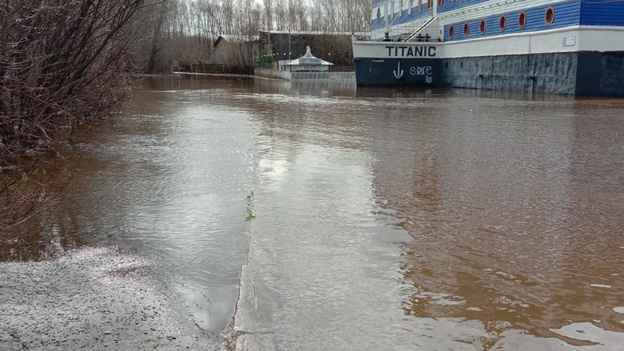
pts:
pixel 314 216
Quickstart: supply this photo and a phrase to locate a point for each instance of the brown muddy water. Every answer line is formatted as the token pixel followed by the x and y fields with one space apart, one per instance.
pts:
pixel 320 216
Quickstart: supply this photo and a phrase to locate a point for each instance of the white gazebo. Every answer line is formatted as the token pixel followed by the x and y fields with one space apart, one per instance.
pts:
pixel 308 64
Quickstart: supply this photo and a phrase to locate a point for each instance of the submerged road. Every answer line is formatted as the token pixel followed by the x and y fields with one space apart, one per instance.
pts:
pixel 268 215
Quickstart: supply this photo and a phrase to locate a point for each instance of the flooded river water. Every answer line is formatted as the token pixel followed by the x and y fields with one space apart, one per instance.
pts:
pixel 321 217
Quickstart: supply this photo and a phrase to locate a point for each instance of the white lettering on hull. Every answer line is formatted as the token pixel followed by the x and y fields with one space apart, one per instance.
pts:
pixel 411 51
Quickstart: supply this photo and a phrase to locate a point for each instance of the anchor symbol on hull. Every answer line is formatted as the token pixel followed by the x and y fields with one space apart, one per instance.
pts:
pixel 398 73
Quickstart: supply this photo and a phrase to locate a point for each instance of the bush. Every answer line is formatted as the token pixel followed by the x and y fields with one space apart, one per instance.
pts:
pixel 61 64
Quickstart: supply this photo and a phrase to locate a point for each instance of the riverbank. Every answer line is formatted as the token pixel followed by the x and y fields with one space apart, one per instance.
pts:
pixel 95 299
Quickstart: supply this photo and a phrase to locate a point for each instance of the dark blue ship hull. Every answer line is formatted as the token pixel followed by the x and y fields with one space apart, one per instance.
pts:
pixel 423 72
pixel 574 73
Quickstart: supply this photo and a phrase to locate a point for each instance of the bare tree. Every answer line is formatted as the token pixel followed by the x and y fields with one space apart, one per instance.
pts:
pixel 269 13
pixel 62 63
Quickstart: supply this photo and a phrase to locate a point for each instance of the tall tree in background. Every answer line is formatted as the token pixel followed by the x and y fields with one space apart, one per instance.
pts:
pixel 268 10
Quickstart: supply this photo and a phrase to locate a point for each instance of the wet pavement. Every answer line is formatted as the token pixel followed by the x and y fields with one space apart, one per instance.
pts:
pixel 287 215
pixel 92 299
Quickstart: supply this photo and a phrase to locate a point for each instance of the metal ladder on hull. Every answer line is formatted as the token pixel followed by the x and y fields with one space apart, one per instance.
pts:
pixel 423 26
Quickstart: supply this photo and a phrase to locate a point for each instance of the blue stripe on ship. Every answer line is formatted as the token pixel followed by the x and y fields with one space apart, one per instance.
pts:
pixel 566 15
pixel 448 6
pixel 378 3
pixel 593 12
pixel 406 18
pixel 602 13
pixel 583 12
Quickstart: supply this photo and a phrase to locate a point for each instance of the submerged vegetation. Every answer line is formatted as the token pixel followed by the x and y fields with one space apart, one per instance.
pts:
pixel 62 63
pixel 250 214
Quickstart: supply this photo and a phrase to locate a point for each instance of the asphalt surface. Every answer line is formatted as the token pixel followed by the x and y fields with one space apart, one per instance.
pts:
pixel 93 299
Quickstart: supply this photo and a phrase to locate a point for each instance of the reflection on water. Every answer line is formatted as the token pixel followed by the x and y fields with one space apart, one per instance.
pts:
pixel 505 231
pixel 383 218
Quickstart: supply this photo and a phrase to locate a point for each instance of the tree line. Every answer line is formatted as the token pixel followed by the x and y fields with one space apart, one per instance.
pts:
pixel 184 30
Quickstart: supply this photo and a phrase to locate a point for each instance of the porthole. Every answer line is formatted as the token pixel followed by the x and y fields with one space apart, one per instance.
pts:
pixel 466 29
pixel 451 32
pixel 502 23
pixel 482 27
pixel 522 20
pixel 549 16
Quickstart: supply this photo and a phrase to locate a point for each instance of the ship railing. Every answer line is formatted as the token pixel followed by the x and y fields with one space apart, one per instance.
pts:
pixel 309 75
pixel 423 26
pixel 420 37
pixel 342 75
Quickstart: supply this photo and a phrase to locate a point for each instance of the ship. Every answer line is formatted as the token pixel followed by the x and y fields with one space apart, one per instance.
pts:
pixel 532 46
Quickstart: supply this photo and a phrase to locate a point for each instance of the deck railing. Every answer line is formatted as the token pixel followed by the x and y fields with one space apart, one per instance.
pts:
pixel 304 75
pixel 309 75
pixel 342 75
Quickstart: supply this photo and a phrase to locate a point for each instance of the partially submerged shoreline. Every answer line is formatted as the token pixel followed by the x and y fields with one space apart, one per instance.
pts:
pixel 95 299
